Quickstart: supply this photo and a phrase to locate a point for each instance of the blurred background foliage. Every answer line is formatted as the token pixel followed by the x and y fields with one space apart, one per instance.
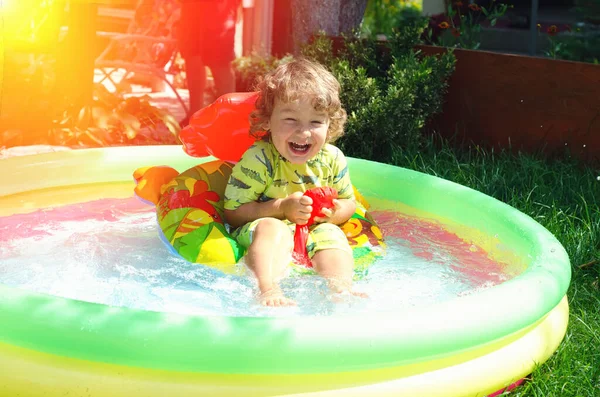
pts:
pixel 49 47
pixel 44 98
pixel 383 16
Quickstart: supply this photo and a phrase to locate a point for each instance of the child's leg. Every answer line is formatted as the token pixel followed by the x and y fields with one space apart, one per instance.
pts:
pixel 332 257
pixel 337 266
pixel 268 256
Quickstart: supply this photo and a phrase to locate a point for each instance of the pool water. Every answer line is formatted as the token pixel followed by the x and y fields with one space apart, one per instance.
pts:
pixel 109 252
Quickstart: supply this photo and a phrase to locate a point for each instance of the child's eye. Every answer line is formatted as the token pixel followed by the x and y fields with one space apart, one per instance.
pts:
pixel 290 120
pixel 318 122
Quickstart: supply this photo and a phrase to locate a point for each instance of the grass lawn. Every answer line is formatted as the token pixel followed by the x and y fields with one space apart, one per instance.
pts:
pixel 564 197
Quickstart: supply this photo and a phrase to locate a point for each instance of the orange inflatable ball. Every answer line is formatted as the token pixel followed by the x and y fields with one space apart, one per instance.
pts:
pixel 221 128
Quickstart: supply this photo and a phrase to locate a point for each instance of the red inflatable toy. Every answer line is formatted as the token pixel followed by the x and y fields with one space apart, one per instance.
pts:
pixel 322 198
pixel 221 128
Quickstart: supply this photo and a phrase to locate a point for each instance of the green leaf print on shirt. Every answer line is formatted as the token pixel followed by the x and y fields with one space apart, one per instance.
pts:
pixel 279 183
pixel 341 175
pixel 237 183
pixel 317 162
pixel 227 199
pixel 306 179
pixel 250 173
pixel 344 190
pixel 266 162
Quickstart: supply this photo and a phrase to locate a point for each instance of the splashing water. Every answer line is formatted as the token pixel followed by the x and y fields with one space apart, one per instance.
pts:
pixel 109 252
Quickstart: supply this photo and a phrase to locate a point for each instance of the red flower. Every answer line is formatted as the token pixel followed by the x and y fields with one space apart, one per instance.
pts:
pixel 474 7
pixel 444 25
pixel 552 30
pixel 199 198
pixel 455 32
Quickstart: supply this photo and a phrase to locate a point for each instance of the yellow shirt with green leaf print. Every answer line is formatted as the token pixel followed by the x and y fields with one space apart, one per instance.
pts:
pixel 263 174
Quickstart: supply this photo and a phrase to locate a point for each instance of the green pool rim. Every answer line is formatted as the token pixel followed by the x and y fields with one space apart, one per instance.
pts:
pixel 295 345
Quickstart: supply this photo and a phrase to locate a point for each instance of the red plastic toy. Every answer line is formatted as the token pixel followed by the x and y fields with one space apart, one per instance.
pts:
pixel 322 198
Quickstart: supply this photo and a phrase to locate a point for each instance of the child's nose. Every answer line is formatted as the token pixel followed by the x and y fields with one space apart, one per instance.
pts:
pixel 303 131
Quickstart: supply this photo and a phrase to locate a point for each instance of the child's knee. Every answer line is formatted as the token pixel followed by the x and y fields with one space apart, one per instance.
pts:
pixel 276 231
pixel 327 236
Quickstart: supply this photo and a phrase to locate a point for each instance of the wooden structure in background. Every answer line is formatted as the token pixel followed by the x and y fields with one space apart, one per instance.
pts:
pixel 525 103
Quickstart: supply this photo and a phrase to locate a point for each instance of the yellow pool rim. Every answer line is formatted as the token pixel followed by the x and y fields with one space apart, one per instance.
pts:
pixel 28 373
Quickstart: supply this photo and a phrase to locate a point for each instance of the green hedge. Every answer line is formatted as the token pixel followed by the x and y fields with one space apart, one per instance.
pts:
pixel 389 89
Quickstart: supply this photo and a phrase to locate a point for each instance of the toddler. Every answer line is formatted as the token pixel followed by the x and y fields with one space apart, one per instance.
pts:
pixel 298 115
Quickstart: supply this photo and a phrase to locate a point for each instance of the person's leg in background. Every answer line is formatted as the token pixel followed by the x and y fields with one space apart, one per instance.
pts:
pixel 219 55
pixel 195 72
pixel 218 49
pixel 207 34
pixel 190 36
pixel 223 76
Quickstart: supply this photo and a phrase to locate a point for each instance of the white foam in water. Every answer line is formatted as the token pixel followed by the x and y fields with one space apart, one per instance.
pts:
pixel 110 252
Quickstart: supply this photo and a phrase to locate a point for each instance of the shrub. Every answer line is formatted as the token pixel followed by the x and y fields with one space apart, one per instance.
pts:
pixel 249 68
pixel 460 26
pixel 583 45
pixel 35 108
pixel 383 16
pixel 580 43
pixel 34 112
pixel 389 89
pixel 589 10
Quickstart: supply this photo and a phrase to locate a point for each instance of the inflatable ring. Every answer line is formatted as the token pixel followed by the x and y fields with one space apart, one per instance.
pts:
pixel 190 204
pixel 189 208
pixel 466 346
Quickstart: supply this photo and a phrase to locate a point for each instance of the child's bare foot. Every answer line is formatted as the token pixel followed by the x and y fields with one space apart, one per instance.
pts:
pixel 359 294
pixel 274 297
pixel 345 287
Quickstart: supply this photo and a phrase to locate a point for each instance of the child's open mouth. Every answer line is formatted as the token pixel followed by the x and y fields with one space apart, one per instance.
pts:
pixel 298 148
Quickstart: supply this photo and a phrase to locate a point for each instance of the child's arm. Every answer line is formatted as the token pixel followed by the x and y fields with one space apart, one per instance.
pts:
pixel 296 208
pixel 251 211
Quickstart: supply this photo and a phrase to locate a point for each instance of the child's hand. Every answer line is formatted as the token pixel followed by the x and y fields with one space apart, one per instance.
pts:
pixel 328 213
pixel 297 208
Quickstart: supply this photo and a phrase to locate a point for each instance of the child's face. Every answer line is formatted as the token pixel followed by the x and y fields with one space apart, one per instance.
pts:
pixel 298 131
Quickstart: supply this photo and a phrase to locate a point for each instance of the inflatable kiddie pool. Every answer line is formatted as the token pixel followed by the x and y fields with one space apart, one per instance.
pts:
pixel 471 345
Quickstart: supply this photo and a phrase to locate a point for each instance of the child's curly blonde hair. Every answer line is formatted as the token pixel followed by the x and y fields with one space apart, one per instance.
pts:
pixel 291 81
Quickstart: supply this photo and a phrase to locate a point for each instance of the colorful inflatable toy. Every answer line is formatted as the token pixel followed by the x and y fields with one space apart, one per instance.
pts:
pixel 189 208
pixel 190 205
